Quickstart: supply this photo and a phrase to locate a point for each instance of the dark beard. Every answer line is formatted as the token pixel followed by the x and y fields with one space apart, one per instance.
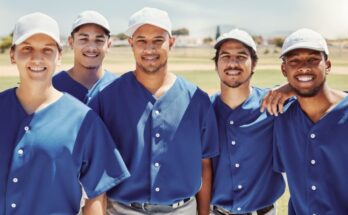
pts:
pixel 238 84
pixel 309 93
pixel 154 70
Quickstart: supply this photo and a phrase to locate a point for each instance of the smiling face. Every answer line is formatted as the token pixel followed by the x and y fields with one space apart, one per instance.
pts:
pixel 36 58
pixel 90 44
pixel 306 71
pixel 151 46
pixel 234 64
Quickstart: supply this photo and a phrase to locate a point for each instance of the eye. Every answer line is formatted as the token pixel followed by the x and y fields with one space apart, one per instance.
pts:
pixel 242 58
pixel 48 50
pixel 293 62
pixel 26 49
pixel 313 61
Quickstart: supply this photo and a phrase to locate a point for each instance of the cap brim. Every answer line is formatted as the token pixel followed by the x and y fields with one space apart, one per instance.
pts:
pixel 303 45
pixel 130 31
pixel 91 23
pixel 32 33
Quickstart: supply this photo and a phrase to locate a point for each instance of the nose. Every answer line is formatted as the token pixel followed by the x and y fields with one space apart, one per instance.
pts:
pixel 37 57
pixel 149 48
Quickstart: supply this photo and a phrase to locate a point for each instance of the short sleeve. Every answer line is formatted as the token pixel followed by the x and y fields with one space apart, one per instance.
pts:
pixel 102 165
pixel 209 137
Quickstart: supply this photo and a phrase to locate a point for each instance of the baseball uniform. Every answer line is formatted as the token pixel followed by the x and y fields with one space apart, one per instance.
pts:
pixel 162 141
pixel 47 156
pixel 62 81
pixel 314 157
pixel 244 180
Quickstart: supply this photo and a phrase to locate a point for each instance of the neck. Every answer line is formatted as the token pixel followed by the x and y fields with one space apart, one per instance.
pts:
pixel 34 97
pixel 86 76
pixel 157 83
pixel 234 97
pixel 323 102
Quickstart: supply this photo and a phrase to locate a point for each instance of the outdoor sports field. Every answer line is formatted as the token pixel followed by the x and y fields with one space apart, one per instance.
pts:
pixel 196 65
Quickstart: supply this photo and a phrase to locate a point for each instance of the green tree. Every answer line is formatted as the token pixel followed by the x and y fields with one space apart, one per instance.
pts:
pixel 5 43
pixel 181 31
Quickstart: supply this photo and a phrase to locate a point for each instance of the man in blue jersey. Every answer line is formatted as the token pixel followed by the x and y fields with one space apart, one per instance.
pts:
pixel 90 41
pixel 51 145
pixel 244 181
pixel 311 137
pixel 164 126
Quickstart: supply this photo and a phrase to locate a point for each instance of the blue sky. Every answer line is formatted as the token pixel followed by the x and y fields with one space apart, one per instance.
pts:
pixel 261 17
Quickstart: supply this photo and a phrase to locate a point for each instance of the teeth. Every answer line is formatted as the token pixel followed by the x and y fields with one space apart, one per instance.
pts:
pixel 150 58
pixel 37 68
pixel 304 78
pixel 232 72
pixel 91 55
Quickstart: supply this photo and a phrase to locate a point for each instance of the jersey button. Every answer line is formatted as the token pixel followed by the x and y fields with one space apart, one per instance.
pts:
pixel 157 189
pixel 237 165
pixel 312 162
pixel 231 122
pixel 312 136
pixel 157 164
pixel 15 180
pixel 157 112
pixel 314 187
pixel 20 152
pixel 13 205
pixel 233 142
pixel 239 209
pixel 157 135
pixel 240 187
pixel 26 128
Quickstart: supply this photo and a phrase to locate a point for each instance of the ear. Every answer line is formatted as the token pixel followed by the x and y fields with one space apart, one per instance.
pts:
pixel 12 58
pixel 130 41
pixel 59 60
pixel 327 66
pixel 71 41
pixel 171 42
pixel 253 65
pixel 109 42
pixel 284 70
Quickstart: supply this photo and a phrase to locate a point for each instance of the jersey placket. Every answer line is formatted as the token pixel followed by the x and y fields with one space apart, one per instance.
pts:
pixel 20 156
pixel 233 147
pixel 157 148
pixel 313 170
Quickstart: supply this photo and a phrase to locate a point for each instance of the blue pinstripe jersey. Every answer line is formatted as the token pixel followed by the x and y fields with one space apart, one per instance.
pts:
pixel 162 141
pixel 315 159
pixel 244 180
pixel 46 157
pixel 63 82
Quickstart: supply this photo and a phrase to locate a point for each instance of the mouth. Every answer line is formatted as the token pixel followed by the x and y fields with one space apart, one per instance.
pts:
pixel 304 78
pixel 150 58
pixel 37 68
pixel 90 55
pixel 233 72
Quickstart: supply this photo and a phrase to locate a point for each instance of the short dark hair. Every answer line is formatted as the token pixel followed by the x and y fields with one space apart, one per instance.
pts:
pixel 107 33
pixel 326 57
pixel 13 47
pixel 253 55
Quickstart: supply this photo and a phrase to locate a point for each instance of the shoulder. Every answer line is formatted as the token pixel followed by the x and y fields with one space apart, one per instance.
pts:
pixel 7 93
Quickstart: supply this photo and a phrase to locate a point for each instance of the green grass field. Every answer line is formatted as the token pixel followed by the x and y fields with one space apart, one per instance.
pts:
pixel 205 78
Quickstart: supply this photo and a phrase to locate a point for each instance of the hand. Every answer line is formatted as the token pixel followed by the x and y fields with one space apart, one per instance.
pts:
pixel 275 99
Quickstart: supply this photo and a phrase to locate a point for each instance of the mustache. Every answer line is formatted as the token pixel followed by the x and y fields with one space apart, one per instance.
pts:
pixel 233 68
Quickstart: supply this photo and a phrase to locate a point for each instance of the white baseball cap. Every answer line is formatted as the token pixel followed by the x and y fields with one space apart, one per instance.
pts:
pixel 152 16
pixel 239 35
pixel 91 17
pixel 306 39
pixel 35 23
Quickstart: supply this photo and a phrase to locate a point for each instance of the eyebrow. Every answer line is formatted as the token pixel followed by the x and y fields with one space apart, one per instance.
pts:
pixel 87 35
pixel 240 52
pixel 47 44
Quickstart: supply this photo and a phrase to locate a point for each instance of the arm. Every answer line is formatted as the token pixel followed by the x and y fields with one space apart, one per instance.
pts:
pixel 204 195
pixel 275 99
pixel 95 206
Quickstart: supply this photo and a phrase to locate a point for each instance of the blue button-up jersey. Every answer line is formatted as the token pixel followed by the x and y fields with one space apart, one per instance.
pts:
pixel 47 156
pixel 162 141
pixel 63 82
pixel 315 159
pixel 244 180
